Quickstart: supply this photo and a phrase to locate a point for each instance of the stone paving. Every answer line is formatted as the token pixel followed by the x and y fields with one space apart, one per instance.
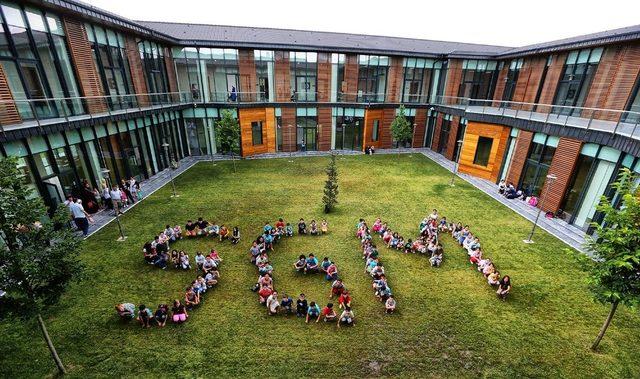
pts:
pixel 569 234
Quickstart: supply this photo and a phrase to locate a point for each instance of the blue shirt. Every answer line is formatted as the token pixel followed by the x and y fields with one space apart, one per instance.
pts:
pixel 312 261
pixel 77 210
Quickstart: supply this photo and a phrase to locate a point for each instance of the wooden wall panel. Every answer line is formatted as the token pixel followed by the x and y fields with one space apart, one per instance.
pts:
pixel 137 70
pixel 324 77
pixel 324 128
pixel 622 83
pixel 248 78
pixel 501 84
pixel 420 128
pixel 453 133
pixel 435 144
pixel 8 110
pixel 454 77
pixel 553 76
pixel 171 72
pixel 370 115
pixel 265 115
pixel 394 80
pixel 350 84
pixel 283 77
pixel 529 80
pixel 82 58
pixel 288 128
pixel 562 165
pixel 388 114
pixel 519 157
pixel 474 131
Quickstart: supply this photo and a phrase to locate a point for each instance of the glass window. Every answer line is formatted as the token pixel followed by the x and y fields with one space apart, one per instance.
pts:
pixel 256 132
pixel 575 80
pixel 376 130
pixel 483 151
pixel 372 78
pixel 478 80
pixel 304 76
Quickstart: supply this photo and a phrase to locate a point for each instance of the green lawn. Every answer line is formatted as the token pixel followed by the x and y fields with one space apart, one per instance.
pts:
pixel 450 323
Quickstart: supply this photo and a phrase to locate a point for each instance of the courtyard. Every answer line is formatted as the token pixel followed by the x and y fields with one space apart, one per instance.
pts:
pixel 449 322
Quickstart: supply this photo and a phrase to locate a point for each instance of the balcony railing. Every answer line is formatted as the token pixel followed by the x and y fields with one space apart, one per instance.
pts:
pixel 613 121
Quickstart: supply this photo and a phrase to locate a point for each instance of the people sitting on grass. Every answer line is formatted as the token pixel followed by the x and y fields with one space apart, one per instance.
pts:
pixel 324 227
pixel 301 306
pixel 328 313
pixel 126 311
pixel 313 312
pixel 313 228
pixel 301 263
pixel 286 304
pixel 302 227
pixel 179 312
pixel 235 235
pixel 504 286
pixel 273 304
pixel 344 300
pixel 162 315
pixel 312 265
pixel 390 304
pixel 346 317
pixel 144 316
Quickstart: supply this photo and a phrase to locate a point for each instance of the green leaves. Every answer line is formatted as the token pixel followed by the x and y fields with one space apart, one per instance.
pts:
pixel 401 128
pixel 228 132
pixel 330 197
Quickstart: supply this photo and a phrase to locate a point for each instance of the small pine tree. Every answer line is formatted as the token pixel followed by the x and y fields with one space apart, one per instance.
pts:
pixel 38 254
pixel 614 265
pixel 401 128
pixel 228 134
pixel 330 197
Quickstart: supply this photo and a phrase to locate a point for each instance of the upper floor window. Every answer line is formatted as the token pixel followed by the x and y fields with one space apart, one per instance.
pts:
pixel 338 83
pixel 304 76
pixel 372 78
pixel 421 77
pixel 512 79
pixel 208 74
pixel 633 105
pixel 155 73
pixel 575 81
pixel 111 60
pixel 36 63
pixel 478 79
pixel 264 61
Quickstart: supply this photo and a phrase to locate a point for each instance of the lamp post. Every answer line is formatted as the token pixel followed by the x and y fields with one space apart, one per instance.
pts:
pixel 550 180
pixel 456 163
pixel 105 175
pixel 291 148
pixel 173 185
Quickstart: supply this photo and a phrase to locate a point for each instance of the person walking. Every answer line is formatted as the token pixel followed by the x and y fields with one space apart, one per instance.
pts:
pixel 80 216
pixel 116 197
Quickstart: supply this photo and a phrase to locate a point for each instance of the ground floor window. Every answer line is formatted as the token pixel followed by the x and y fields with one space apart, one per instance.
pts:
pixel 307 129
pixel 483 151
pixel 256 132
pixel 349 128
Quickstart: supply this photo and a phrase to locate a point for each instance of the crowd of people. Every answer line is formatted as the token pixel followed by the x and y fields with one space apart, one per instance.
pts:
pixel 156 252
pixel 276 303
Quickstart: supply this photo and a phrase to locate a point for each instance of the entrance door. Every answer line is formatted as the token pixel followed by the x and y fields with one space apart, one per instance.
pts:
pixel 597 186
pixel 55 194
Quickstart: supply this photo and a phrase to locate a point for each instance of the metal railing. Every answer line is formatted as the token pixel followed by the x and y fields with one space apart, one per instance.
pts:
pixel 614 121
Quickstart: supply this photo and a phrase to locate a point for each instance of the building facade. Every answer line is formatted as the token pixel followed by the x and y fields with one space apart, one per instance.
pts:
pixel 87 96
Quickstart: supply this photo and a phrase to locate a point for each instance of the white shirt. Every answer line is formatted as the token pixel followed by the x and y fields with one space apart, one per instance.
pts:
pixel 77 210
pixel 115 194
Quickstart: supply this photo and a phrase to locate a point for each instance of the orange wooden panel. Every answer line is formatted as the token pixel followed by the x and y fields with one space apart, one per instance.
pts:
pixel 475 130
pixel 265 115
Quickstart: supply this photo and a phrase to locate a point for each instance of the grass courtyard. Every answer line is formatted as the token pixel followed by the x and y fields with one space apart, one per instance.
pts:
pixel 449 323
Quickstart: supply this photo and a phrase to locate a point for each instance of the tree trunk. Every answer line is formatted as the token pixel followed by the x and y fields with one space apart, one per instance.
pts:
pixel 614 306
pixel 234 161
pixel 52 349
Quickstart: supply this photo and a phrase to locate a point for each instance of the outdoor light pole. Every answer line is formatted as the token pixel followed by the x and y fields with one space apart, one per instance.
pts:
pixel 290 142
pixel 105 175
pixel 550 180
pixel 456 163
pixel 173 185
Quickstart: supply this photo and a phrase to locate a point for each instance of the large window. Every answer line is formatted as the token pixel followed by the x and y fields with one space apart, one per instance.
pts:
pixel 421 77
pixel 538 162
pixel 633 105
pixel 372 78
pixel 304 76
pixel 155 72
pixel 483 151
pixel 349 124
pixel 36 63
pixel 478 79
pixel 444 133
pixel 256 132
pixel 208 74
pixel 264 62
pixel 338 83
pixel 307 128
pixel 113 66
pixel 576 78
pixel 512 79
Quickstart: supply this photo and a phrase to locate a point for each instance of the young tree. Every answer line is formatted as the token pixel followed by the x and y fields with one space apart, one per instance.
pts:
pixel 401 128
pixel 614 267
pixel 38 254
pixel 330 197
pixel 228 134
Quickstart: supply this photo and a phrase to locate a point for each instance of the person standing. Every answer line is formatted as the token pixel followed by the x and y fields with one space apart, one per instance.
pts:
pixel 80 217
pixel 116 196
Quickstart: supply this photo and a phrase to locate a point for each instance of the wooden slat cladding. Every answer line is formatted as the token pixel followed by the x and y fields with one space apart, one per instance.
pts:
pixel 282 73
pixel 288 128
pixel 324 77
pixel 246 117
pixel 248 77
pixel 82 58
pixel 601 84
pixel 420 128
pixel 454 77
pixel 388 115
pixel 394 80
pixel 475 130
pixel 500 84
pixel 529 80
pixel 562 166
pixel 324 128
pixel 8 110
pixel 137 70
pixel 553 76
pixel 171 72
pixel 621 86
pixel 350 84
pixel 519 157
pixel 453 133
pixel 435 144
pixel 371 115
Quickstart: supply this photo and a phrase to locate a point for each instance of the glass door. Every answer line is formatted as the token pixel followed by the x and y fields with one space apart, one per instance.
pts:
pixel 597 186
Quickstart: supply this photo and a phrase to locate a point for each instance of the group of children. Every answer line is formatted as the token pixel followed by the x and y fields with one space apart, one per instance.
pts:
pixel 202 228
pixel 463 236
pixel 373 264
pixel 283 304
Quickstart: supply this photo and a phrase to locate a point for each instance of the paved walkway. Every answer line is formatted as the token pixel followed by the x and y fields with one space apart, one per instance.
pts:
pixel 568 234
